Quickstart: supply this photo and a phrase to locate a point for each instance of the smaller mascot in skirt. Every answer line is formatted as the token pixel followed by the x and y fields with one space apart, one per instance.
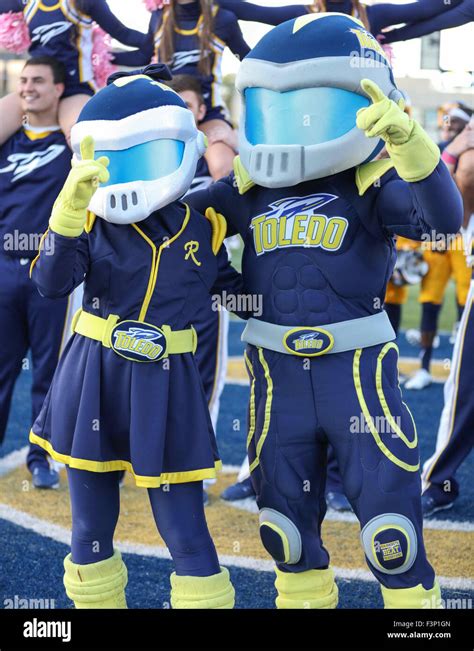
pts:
pixel 127 393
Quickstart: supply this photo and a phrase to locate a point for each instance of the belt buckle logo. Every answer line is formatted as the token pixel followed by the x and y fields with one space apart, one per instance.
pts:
pixel 138 342
pixel 308 342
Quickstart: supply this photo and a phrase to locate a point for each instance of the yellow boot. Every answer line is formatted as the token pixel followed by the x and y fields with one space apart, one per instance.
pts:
pixel 213 591
pixel 416 597
pixel 96 585
pixel 310 589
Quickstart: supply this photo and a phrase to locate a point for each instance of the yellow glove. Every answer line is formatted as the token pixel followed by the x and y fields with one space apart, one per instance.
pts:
pixel 413 153
pixel 70 208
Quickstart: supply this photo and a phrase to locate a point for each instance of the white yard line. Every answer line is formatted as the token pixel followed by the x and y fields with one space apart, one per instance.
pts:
pixel 13 460
pixel 250 505
pixel 239 383
pixel 62 535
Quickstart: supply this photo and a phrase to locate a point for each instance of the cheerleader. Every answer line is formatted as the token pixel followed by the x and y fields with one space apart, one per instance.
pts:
pixel 190 37
pixel 67 31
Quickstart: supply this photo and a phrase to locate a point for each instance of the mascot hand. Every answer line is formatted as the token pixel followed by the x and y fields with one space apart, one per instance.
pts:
pixel 70 208
pixel 384 119
pixel 413 153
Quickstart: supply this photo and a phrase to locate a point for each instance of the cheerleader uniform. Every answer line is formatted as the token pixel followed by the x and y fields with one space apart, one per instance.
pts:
pixel 187 55
pixel 63 30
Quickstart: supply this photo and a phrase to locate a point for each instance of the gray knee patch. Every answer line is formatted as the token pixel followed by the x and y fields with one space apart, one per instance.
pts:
pixel 390 543
pixel 280 536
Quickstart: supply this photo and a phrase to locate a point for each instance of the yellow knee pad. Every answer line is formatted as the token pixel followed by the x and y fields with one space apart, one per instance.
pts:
pixel 310 589
pixel 96 585
pixel 215 591
pixel 416 597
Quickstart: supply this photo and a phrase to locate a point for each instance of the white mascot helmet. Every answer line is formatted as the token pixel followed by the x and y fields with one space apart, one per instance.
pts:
pixel 150 137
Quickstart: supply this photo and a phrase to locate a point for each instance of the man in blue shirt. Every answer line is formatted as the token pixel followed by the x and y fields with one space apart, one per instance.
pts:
pixel 34 163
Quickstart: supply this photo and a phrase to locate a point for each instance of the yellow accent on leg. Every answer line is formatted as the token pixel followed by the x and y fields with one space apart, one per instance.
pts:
pixel 96 585
pixel 391 421
pixel 251 431
pixel 416 597
pixel 311 589
pixel 368 418
pixel 268 409
pixel 198 592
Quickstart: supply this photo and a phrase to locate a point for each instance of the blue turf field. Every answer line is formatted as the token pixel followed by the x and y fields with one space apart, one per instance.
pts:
pixel 148 577
pixel 34 562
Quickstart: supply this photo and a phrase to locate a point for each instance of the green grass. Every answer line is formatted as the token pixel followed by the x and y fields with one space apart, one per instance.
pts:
pixel 411 314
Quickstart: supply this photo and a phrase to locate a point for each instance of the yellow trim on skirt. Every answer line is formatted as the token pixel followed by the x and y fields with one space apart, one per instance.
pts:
pixel 109 466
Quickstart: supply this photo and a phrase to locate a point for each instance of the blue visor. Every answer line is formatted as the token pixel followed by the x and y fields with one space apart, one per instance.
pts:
pixel 146 162
pixel 308 116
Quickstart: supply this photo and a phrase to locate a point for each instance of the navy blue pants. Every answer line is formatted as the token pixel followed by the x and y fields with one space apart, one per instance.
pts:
pixel 177 509
pixel 456 430
pixel 351 400
pixel 27 322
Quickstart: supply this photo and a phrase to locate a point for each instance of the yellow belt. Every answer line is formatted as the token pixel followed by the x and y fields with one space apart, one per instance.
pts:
pixel 95 327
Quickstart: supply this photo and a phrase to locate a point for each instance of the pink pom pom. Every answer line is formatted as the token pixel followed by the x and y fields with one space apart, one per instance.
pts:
pixel 101 56
pixel 14 35
pixel 152 5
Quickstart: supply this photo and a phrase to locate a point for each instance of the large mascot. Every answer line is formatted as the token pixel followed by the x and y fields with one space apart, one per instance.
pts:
pixel 318 217
pixel 127 393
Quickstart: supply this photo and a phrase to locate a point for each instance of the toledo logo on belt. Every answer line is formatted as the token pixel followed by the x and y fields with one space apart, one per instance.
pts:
pixel 139 342
pixel 308 342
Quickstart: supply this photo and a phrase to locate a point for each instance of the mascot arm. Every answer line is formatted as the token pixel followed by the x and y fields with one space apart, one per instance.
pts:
pixel 223 198
pixel 229 286
pixel 69 213
pixel 415 209
pixel 61 264
pixel 413 153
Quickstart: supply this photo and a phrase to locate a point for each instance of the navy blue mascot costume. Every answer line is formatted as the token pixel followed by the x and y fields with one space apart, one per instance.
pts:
pixel 127 393
pixel 318 215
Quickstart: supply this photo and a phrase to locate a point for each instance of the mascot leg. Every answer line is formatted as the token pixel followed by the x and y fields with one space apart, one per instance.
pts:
pixel 199 581
pixel 96 585
pixel 388 502
pixel 310 589
pixel 288 457
pixel 95 575
pixel 416 597
pixel 214 591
